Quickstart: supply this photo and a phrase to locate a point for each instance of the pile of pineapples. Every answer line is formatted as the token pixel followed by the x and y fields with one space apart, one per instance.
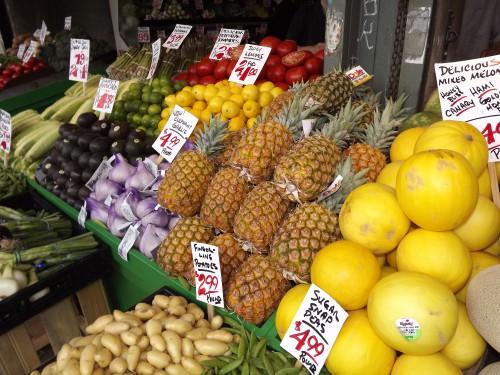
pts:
pixel 256 193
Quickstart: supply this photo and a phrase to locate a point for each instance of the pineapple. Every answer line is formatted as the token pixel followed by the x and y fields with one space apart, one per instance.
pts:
pixel 308 168
pixel 230 143
pixel 369 102
pixel 174 254
pixel 260 215
pixel 331 90
pixel 231 256
pixel 310 227
pixel 256 289
pixel 264 144
pixel 224 197
pixel 279 103
pixel 376 139
pixel 186 181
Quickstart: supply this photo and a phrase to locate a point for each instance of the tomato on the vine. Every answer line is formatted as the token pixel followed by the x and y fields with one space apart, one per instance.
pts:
pixel 191 69
pixel 263 72
pixel 230 68
pixel 273 60
pixel 276 73
pixel 205 67
pixel 314 65
pixel 285 47
pixel 271 42
pixel 294 58
pixel 180 77
pixel 205 80
pixel 296 74
pixel 192 79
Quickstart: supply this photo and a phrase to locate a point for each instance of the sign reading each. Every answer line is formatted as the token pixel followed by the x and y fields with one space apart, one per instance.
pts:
pixel 143 34
pixel 5 130
pixel 177 36
pixel 67 23
pixel 156 46
pixel 178 128
pixel 79 60
pixel 249 64
pixel 207 273
pixel 314 329
pixel 106 95
pixel 29 52
pixel 227 39
pixel 20 51
pixel 469 92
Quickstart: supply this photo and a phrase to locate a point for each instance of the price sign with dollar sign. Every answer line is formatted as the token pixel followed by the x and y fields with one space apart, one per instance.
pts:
pixel 207 273
pixel 177 36
pixel 314 329
pixel 106 95
pixel 250 64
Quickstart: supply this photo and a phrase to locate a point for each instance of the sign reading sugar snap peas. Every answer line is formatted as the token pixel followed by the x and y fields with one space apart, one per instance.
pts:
pixel 207 273
pixel 314 329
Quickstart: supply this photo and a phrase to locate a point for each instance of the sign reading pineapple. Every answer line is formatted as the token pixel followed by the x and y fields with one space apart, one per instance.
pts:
pixel 207 273
pixel 314 329
pixel 79 60
pixel 249 64
pixel 5 131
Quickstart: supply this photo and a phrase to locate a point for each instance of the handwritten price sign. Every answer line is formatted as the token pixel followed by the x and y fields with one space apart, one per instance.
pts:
pixel 227 39
pixel 30 50
pixel 5 130
pixel 207 272
pixel 314 329
pixel 249 64
pixel 156 47
pixel 67 23
pixel 177 36
pixel 79 60
pixel 469 91
pixel 143 35
pixel 20 51
pixel 178 128
pixel 105 96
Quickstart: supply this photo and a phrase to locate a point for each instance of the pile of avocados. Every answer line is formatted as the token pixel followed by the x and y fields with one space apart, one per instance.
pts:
pixel 81 148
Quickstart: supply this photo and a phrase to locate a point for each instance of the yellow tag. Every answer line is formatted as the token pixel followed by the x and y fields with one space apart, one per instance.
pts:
pixel 358 75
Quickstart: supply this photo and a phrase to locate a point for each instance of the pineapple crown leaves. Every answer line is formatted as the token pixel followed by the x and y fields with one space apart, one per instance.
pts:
pixel 350 181
pixel 210 140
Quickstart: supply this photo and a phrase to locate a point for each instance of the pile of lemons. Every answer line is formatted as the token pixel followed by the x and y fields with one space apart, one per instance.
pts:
pixel 239 104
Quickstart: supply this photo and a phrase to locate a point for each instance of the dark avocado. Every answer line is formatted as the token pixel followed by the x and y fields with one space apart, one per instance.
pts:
pixel 58 144
pixel 66 149
pixel 74 135
pixel 73 190
pixel 148 145
pixel 136 133
pixel 118 147
pixel 85 120
pixel 119 131
pixel 66 129
pixel 70 166
pixel 96 159
pixel 85 139
pixel 78 205
pixel 54 153
pixel 76 175
pixel 100 144
pixel 84 192
pixel 134 147
pixel 76 152
pixel 86 174
pixel 61 178
pixel 83 160
pixel 101 126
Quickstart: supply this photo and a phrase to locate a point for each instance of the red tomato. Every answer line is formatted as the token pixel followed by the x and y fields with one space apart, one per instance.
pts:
pixel 205 80
pixel 271 42
pixel 296 74
pixel 235 52
pixel 308 53
pixel 314 65
pixel 276 73
pixel 42 64
pixel 294 58
pixel 230 68
pixel 8 72
pixel 313 77
pixel 273 60
pixel 180 77
pixel 221 68
pixel 192 79
pixel 263 72
pixel 27 70
pixel 320 54
pixel 191 69
pixel 283 85
pixel 205 67
pixel 285 47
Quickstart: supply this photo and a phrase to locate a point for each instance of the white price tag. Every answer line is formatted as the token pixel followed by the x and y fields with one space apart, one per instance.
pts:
pixel 143 34
pixel 5 130
pixel 469 91
pixel 127 210
pixel 314 329
pixel 177 36
pixel 334 186
pixel 207 271
pixel 156 47
pixel 128 241
pixel 178 128
pixel 358 75
pixel 43 33
pixel 101 172
pixel 308 125
pixel 249 64
pixel 30 50
pixel 106 95
pixel 37 34
pixel 227 39
pixel 67 23
pixel 82 215
pixel 79 60
pixel 20 51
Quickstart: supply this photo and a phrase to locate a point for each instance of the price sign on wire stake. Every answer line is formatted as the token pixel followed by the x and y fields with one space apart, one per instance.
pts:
pixel 106 95
pixel 314 329
pixel 227 39
pixel 177 36
pixel 29 52
pixel 5 131
pixel 249 64
pixel 79 60
pixel 67 23
pixel 207 272
pixel 20 51
pixel 178 128
pixel 143 34
pixel 156 47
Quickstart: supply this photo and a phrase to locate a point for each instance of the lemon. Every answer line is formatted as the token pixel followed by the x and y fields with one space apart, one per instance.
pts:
pixel 265 98
pixel 198 92
pixel 161 123
pixel 237 98
pixel 251 108
pixel 185 98
pixel 225 93
pixel 209 92
pixel 266 86
pixel 236 89
pixel 230 109
pixel 200 104
pixel 250 92
pixel 251 122
pixel 215 104
pixel 187 88
pixel 275 91
pixel 165 113
pixel 242 115
pixel 219 84
pixel 170 100
pixel 236 123
pixel 195 112
pixel 205 115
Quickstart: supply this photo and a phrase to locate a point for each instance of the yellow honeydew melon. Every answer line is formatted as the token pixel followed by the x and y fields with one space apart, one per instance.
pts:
pixel 391 257
pixel 466 346
pixel 437 190
pixel 412 312
pixel 485 184
pixel 493 249
pixel 433 364
pixel 458 136
pixel 483 304
pixel 440 254
pixel 288 307
pixel 403 145
pixel 358 350
pixel 482 227
pixel 387 270
pixel 388 174
pixel 371 216
pixel 480 261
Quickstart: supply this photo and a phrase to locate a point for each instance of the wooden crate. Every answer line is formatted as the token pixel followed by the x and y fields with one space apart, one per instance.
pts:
pixel 21 346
